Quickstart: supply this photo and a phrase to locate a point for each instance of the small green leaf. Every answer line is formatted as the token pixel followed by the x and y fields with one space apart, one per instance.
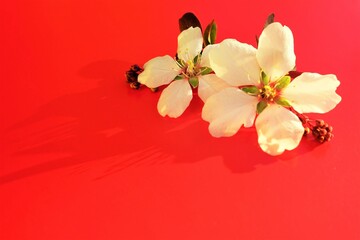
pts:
pixel 205 70
pixel 251 90
pixel 181 62
pixel 264 78
pixel 188 20
pixel 210 33
pixel 196 58
pixel 283 82
pixel 261 106
pixel 194 82
pixel 269 20
pixel 179 77
pixel 283 102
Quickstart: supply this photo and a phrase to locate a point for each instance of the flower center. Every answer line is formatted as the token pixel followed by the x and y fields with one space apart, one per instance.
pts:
pixel 191 69
pixel 267 93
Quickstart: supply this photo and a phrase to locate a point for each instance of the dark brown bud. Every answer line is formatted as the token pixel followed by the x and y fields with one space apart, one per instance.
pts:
pixel 323 132
pixel 315 132
pixel 132 76
pixel 320 123
pixel 319 128
pixel 136 68
pixel 328 136
pixel 329 128
pixel 134 85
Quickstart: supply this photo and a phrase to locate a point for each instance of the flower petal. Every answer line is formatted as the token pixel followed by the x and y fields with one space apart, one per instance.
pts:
pixel 228 110
pixel 190 42
pixel 159 71
pixel 313 92
pixel 205 61
pixel 276 51
pixel 278 130
pixel 210 84
pixel 175 99
pixel 235 63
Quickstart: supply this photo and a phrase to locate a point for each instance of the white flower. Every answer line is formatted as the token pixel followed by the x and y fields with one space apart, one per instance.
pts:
pixel 262 86
pixel 190 70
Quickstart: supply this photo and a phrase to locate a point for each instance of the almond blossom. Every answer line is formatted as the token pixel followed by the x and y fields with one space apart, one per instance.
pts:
pixel 190 70
pixel 262 90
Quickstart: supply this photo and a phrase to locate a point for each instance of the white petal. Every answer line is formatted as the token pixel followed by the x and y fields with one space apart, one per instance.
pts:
pixel 175 99
pixel 312 92
pixel 276 50
pixel 278 130
pixel 228 110
pixel 159 71
pixel 210 84
pixel 205 61
pixel 190 42
pixel 235 63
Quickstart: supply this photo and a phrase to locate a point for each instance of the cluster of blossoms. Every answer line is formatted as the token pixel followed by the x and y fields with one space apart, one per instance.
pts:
pixel 242 86
pixel 132 76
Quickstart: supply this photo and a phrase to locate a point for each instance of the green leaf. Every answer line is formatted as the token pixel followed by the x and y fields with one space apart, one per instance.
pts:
pixel 283 102
pixel 181 62
pixel 179 77
pixel 194 82
pixel 205 70
pixel 283 82
pixel 261 106
pixel 264 78
pixel 210 33
pixel 251 90
pixel 196 58
pixel 188 20
pixel 269 20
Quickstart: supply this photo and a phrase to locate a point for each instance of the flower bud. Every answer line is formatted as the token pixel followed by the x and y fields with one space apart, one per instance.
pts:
pixel 320 123
pixel 132 76
pixel 322 131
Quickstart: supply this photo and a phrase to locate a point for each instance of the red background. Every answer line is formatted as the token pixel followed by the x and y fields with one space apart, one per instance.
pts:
pixel 85 157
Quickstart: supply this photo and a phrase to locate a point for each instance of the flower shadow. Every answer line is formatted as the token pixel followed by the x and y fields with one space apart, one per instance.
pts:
pixel 116 128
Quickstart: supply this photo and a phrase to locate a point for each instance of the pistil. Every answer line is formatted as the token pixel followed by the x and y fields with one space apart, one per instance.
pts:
pixel 267 93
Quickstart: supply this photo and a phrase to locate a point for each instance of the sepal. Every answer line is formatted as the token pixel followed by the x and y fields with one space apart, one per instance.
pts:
pixel 194 82
pixel 210 33
pixel 261 106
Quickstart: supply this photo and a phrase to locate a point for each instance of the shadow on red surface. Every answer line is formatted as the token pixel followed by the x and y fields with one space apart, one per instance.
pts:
pixel 115 122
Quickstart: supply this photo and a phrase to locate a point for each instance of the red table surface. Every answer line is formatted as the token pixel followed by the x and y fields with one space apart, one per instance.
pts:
pixel 83 156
